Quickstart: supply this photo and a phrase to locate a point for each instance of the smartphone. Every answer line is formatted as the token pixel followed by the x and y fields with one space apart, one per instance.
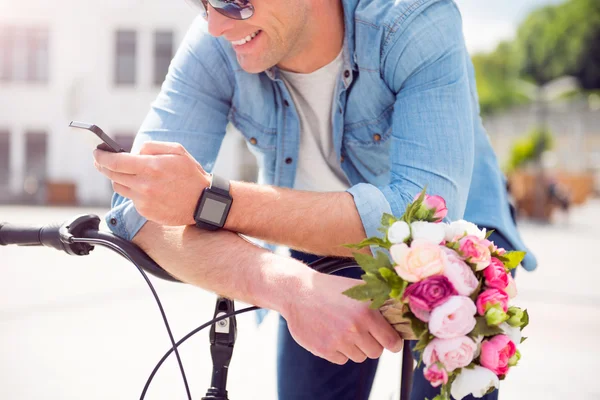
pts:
pixel 99 139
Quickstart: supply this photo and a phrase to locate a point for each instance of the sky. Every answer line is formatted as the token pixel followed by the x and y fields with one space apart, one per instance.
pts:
pixel 487 22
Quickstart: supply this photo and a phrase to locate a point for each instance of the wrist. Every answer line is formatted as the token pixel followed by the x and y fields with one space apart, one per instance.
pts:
pixel 284 281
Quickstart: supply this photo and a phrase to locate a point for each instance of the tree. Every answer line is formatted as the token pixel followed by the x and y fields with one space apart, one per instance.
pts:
pixel 496 75
pixel 562 40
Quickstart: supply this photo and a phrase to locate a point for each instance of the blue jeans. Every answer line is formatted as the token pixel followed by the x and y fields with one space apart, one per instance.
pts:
pixel 303 376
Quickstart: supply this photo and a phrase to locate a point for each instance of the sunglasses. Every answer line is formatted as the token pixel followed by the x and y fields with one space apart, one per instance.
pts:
pixel 234 9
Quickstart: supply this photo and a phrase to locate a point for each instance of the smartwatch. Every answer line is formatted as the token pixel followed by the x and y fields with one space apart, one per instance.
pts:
pixel 213 206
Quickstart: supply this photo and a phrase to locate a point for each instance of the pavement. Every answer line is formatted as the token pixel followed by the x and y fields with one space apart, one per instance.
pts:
pixel 88 328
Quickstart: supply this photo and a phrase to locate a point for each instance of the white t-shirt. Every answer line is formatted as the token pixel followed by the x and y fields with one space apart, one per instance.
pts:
pixel 318 167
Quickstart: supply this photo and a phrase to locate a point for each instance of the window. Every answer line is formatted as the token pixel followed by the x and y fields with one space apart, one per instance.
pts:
pixel 37 55
pixel 125 64
pixel 163 53
pixel 6 53
pixel 36 154
pixel 24 54
pixel 34 184
pixel 4 158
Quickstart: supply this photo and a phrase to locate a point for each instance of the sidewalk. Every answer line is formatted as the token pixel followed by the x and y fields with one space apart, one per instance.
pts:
pixel 74 328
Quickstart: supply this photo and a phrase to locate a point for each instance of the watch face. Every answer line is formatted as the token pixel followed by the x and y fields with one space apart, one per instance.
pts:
pixel 213 208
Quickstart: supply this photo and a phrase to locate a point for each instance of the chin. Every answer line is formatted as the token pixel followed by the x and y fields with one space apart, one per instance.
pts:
pixel 253 66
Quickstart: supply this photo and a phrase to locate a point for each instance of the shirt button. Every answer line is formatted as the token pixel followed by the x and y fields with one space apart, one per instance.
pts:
pixel 347 74
pixel 377 137
pixel 113 221
pixel 286 103
pixel 253 140
pixel 288 160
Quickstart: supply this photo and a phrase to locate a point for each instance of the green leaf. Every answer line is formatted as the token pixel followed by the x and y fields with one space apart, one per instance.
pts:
pixel 372 241
pixel 388 220
pixel 392 278
pixel 482 328
pixel 489 233
pixel 523 339
pixel 525 320
pixel 514 258
pixel 424 340
pixel 418 327
pixel 371 264
pixel 470 366
pixel 491 390
pixel 374 289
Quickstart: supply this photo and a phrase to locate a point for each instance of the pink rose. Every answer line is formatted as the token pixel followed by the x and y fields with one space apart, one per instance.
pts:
pixel 456 317
pixel 495 275
pixel 496 352
pixel 459 274
pixel 424 295
pixel 436 204
pixel 491 297
pixel 419 261
pixel 452 353
pixel 475 251
pixel 435 375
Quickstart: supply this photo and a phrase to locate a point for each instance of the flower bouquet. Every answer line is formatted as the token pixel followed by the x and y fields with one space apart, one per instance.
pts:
pixel 449 287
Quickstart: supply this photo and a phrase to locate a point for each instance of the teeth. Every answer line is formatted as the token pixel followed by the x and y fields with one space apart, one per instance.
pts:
pixel 245 40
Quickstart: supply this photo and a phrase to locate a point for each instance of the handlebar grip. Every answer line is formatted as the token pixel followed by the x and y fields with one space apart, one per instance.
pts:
pixel 21 235
pixel 24 235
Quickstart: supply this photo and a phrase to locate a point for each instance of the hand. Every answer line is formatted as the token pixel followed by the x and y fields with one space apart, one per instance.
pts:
pixel 335 327
pixel 164 181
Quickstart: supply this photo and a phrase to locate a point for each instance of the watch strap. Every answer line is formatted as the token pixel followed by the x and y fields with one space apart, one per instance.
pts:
pixel 220 185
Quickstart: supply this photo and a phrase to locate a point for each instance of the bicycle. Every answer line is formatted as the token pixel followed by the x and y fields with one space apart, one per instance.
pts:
pixel 79 235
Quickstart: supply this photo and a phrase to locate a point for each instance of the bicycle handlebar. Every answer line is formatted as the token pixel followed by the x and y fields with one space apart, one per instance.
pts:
pixel 78 236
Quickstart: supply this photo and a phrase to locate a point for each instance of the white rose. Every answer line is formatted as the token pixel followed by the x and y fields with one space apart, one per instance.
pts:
pixel 462 227
pixel 428 230
pixel 475 381
pixel 513 333
pixel 398 232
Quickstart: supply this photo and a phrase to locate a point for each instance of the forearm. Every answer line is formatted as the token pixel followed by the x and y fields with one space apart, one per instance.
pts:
pixel 224 263
pixel 317 223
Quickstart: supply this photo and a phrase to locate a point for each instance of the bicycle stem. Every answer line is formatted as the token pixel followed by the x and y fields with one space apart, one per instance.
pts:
pixel 222 339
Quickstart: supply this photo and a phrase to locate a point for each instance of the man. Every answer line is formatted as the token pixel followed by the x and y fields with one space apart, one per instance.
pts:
pixel 351 108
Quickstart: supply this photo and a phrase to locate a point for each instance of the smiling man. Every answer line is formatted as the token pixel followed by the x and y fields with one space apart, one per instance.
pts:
pixel 351 108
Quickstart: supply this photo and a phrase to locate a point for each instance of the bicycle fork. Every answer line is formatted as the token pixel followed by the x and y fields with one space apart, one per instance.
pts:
pixel 222 340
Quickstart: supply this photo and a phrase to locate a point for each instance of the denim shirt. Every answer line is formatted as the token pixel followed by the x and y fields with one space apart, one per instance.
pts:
pixel 405 116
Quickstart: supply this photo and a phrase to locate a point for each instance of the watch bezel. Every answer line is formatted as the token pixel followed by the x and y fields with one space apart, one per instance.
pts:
pixel 207 193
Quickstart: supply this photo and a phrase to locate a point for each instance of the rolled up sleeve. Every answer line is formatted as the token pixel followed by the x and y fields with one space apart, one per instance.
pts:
pixel 432 142
pixel 192 109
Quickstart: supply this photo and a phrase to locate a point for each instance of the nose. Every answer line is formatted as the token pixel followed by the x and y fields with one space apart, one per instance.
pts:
pixel 218 24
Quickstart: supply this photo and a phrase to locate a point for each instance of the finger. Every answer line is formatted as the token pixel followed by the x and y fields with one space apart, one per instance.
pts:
pixel 157 148
pixel 125 163
pixel 123 190
pixel 354 353
pixel 124 179
pixel 385 334
pixel 337 358
pixel 371 347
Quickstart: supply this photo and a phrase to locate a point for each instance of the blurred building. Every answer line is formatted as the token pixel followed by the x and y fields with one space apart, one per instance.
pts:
pixel 574 124
pixel 96 61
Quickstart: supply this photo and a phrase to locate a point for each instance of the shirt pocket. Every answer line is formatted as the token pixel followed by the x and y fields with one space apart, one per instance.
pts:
pixel 367 145
pixel 261 141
